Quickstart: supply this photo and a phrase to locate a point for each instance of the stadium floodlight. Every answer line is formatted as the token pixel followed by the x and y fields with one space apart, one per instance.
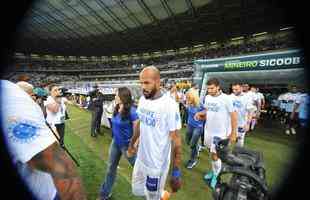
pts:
pixel 286 28
pixel 237 38
pixel 257 34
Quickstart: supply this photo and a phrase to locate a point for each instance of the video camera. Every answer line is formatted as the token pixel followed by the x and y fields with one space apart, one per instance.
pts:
pixel 94 93
pixel 63 92
pixel 248 181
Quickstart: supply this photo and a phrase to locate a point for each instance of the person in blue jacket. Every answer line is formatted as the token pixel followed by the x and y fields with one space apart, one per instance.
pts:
pixel 194 127
pixel 124 121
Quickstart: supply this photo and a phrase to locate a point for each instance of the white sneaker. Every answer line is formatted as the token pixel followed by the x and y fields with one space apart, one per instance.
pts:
pixel 293 131
pixel 287 131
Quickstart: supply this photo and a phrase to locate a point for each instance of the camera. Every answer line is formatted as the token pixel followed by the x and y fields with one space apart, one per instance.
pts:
pixel 63 92
pixel 248 181
pixel 94 93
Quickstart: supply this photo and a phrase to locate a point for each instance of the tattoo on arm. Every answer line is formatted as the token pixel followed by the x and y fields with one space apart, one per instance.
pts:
pixel 177 144
pixel 56 162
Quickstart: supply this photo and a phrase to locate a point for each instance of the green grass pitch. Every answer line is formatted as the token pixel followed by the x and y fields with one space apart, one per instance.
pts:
pixel 92 154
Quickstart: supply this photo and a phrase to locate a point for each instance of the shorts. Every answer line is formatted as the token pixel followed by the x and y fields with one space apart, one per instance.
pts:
pixel 207 140
pixel 147 182
pixel 214 142
pixel 241 132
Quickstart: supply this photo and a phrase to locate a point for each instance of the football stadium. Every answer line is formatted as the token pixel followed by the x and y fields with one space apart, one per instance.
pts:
pixel 155 99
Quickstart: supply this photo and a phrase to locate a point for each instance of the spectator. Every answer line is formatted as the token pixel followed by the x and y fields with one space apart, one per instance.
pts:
pixel 55 110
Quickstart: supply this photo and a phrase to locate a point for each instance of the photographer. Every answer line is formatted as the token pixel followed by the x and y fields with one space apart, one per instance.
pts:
pixel 56 110
pixel 96 107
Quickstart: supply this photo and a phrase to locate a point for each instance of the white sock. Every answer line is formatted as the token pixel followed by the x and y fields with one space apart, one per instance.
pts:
pixel 217 166
pixel 240 142
pixel 253 124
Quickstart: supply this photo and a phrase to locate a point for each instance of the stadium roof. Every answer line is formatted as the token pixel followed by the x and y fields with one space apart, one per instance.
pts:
pixel 118 27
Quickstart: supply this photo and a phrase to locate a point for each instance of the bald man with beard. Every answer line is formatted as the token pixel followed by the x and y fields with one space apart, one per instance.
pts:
pixel 158 133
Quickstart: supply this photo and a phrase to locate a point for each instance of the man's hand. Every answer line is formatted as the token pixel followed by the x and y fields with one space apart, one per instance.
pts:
pixel 200 116
pixel 175 181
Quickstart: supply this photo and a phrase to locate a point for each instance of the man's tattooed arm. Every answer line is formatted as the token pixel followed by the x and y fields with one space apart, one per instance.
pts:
pixel 177 144
pixel 56 162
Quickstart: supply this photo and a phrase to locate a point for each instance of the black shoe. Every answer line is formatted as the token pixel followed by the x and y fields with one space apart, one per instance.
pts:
pixel 191 164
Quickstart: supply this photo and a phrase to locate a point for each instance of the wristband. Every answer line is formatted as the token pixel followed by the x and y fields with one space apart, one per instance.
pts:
pixel 176 173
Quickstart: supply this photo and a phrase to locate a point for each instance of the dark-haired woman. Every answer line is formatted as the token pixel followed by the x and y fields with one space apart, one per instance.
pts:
pixel 123 120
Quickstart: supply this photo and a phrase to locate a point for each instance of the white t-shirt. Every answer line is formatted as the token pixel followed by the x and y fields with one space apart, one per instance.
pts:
pixel 291 99
pixel 252 98
pixel 26 134
pixel 157 118
pixel 282 99
pixel 242 105
pixel 174 95
pixel 219 108
pixel 260 97
pixel 55 118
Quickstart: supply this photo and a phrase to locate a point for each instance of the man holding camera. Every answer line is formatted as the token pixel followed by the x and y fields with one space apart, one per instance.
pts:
pixel 96 107
pixel 56 110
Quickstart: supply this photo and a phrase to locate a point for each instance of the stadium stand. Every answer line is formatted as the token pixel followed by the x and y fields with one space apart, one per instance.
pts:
pixel 173 67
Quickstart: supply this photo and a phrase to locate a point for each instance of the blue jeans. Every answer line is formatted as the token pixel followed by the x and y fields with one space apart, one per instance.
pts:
pixel 115 154
pixel 192 137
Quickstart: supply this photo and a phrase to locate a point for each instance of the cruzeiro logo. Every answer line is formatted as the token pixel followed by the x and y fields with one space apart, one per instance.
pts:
pixel 237 104
pixel 23 131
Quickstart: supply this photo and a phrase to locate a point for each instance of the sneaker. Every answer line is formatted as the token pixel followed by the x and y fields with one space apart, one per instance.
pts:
pixel 187 163
pixel 213 181
pixel 191 164
pixel 287 131
pixel 105 198
pixel 208 177
pixel 293 131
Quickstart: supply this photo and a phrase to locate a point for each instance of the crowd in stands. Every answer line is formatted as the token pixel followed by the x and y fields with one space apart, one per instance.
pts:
pixel 177 66
pixel 165 61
